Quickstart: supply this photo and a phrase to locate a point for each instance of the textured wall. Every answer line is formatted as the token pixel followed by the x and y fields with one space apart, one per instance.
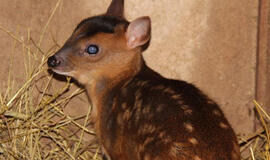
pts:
pixel 263 64
pixel 211 43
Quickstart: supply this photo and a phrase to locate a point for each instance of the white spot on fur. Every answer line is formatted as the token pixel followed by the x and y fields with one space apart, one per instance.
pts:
pixel 124 105
pixel 160 107
pixel 159 87
pixel 187 110
pixel 197 158
pixel 193 141
pixel 217 112
pixel 189 127
pixel 223 125
pixel 146 128
pixel 169 90
pixel 146 110
pixel 176 97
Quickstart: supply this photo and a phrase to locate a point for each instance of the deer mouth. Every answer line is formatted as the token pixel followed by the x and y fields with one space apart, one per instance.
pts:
pixel 64 73
pixel 59 66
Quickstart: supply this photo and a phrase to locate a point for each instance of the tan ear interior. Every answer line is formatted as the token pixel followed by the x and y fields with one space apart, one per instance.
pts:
pixel 138 32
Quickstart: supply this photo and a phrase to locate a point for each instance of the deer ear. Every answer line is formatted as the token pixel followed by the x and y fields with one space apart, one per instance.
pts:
pixel 116 8
pixel 138 32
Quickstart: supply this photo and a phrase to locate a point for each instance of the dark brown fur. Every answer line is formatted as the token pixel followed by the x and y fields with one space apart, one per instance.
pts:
pixel 138 114
pixel 147 116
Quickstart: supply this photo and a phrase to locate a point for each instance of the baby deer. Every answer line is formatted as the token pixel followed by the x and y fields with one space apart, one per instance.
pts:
pixel 138 114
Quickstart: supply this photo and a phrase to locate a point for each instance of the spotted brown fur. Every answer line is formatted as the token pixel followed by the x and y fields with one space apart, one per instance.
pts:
pixel 138 114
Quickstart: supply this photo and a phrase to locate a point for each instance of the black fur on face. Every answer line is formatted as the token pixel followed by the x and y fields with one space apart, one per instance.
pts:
pixel 97 24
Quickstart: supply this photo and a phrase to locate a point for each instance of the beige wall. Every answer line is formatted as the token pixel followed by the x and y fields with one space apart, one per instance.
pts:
pixel 263 63
pixel 210 43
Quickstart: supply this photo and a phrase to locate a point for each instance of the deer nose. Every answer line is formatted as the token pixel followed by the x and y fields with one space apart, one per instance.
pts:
pixel 53 62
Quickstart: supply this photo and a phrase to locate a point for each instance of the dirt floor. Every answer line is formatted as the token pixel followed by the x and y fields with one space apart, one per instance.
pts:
pixel 210 43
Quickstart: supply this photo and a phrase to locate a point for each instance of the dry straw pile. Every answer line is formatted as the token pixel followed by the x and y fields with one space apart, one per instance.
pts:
pixel 33 125
pixel 32 122
pixel 256 146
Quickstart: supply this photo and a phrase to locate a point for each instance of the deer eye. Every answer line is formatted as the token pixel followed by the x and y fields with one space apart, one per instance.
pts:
pixel 92 49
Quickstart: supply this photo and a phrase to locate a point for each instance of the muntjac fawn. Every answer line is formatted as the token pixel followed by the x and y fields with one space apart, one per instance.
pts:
pixel 138 114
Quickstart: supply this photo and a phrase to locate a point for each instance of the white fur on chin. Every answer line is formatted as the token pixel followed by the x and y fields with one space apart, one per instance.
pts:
pixel 62 73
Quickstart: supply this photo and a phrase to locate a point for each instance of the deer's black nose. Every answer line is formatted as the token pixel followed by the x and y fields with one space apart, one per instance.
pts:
pixel 53 62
